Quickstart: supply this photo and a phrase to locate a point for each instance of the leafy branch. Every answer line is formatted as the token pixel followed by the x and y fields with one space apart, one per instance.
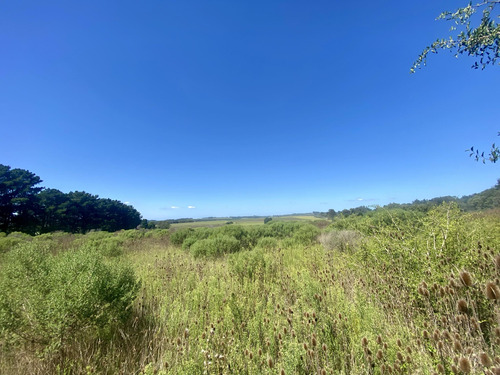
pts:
pixel 493 156
pixel 481 42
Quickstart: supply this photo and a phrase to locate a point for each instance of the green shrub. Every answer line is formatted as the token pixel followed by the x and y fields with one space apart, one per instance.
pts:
pixel 48 299
pixel 8 242
pixel 306 234
pixel 248 263
pixel 268 243
pixel 214 246
pixel 178 237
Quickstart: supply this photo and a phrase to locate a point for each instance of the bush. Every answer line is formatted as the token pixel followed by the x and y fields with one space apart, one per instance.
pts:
pixel 178 237
pixel 7 243
pixel 248 263
pixel 49 299
pixel 268 243
pixel 214 246
pixel 306 234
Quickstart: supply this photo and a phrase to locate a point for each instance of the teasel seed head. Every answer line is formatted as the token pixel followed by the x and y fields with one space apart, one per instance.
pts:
pixel 462 306
pixel 440 368
pixel 492 291
pixel 436 335
pixel 485 360
pixel 364 341
pixel 464 365
pixel 400 357
pixel 466 278
pixel 497 261
pixel 270 362
pixel 457 346
pixel 497 331
pixel 380 354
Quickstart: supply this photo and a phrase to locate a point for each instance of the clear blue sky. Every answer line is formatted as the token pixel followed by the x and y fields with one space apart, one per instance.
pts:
pixel 242 107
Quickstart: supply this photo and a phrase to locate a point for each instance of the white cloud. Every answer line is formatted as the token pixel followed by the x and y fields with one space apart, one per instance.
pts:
pixel 174 207
pixel 360 199
pixel 126 202
pixel 191 207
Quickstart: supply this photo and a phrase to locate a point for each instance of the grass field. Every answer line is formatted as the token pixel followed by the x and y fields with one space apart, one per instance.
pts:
pixel 242 221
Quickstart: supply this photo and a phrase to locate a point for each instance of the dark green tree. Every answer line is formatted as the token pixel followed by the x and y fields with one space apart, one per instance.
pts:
pixel 52 207
pixel 18 201
pixel 267 219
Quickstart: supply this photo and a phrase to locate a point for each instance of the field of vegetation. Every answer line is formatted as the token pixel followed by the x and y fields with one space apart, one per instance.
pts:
pixel 393 291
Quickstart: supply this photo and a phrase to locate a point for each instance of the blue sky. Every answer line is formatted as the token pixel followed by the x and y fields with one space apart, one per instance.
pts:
pixel 222 108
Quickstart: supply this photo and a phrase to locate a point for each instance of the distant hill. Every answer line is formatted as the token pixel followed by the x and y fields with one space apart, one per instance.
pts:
pixel 485 200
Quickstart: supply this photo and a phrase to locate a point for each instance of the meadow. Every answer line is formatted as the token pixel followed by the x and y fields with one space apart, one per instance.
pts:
pixel 390 292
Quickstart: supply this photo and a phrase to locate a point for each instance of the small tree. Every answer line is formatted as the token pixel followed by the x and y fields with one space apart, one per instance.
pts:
pixel 267 220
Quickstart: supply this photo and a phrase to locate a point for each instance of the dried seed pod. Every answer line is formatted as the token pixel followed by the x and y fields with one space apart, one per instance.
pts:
pixel 485 360
pixel 364 341
pixel 466 278
pixel 446 335
pixel 436 335
pixel 497 261
pixel 492 291
pixel 465 365
pixel 380 354
pixel 462 306
pixel 400 357
pixel 457 346
pixel 440 368
pixel 270 362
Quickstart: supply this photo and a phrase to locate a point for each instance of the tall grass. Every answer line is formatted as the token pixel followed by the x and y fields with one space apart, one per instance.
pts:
pixel 394 292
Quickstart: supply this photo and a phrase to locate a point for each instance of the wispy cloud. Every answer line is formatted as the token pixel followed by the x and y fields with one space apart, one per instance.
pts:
pixel 362 200
pixel 191 207
pixel 174 207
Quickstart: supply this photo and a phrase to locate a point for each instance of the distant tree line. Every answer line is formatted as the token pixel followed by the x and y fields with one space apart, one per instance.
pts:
pixel 487 199
pixel 29 208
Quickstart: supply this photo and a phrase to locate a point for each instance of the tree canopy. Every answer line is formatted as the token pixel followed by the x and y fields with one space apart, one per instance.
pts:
pixel 25 207
pixel 477 35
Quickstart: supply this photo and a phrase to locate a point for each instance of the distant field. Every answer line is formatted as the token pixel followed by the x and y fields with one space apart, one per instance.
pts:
pixel 242 221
